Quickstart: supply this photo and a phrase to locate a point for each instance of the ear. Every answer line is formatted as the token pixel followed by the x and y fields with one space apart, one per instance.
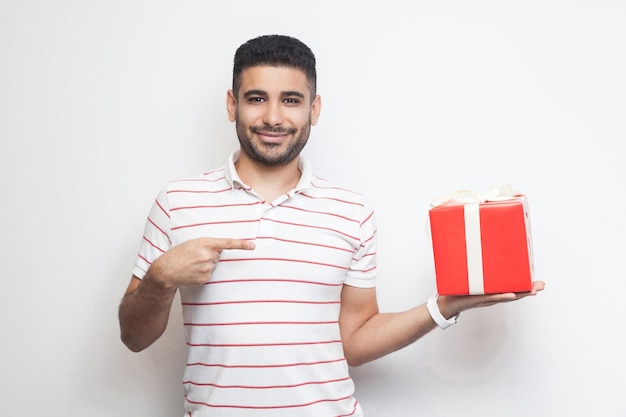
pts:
pixel 316 108
pixel 231 105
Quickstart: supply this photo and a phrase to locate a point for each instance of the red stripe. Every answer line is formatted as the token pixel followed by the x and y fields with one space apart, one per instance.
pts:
pixel 201 179
pixel 368 218
pixel 297 281
pixel 332 199
pixel 303 243
pixel 267 407
pixel 144 259
pixel 259 323
pixel 211 223
pixel 285 365
pixel 200 191
pixel 326 342
pixel 262 301
pixel 353 410
pixel 284 260
pixel 209 384
pixel 320 212
pixel 364 256
pixel 372 236
pixel 162 209
pixel 153 245
pixel 313 184
pixel 216 206
pixel 159 229
pixel 311 227
pixel 364 270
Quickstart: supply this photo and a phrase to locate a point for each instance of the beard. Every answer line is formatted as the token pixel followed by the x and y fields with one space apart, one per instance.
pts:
pixel 272 154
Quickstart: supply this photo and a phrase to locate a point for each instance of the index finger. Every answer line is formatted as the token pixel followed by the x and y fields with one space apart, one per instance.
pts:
pixel 228 243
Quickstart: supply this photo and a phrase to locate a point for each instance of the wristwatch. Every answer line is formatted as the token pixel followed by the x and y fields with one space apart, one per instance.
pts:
pixel 441 321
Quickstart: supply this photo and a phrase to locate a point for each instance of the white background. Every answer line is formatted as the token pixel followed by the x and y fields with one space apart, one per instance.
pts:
pixel 102 102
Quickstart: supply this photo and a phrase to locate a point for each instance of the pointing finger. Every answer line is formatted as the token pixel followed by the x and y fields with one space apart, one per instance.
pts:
pixel 226 243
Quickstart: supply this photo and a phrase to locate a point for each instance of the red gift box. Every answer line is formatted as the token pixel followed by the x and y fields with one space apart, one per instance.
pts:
pixel 482 245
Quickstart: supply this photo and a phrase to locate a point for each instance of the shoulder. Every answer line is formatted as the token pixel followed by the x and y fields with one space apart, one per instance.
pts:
pixel 211 180
pixel 328 196
pixel 322 187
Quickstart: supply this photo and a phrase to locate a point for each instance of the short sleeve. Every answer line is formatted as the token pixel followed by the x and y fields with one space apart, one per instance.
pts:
pixel 156 237
pixel 363 269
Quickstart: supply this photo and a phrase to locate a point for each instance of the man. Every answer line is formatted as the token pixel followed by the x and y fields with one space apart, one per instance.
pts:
pixel 276 267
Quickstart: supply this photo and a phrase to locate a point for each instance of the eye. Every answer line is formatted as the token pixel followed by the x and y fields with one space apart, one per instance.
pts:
pixel 291 100
pixel 255 99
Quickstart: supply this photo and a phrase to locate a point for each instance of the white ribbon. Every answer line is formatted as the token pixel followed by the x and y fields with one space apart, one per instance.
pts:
pixel 471 202
pixel 497 192
pixel 473 248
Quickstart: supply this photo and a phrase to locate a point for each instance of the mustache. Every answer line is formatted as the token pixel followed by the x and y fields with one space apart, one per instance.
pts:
pixel 270 129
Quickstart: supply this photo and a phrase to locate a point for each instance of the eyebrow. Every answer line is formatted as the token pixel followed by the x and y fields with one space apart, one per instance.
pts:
pixel 250 93
pixel 292 94
pixel 254 93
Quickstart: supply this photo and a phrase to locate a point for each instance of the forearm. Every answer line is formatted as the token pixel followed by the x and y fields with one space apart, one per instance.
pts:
pixel 144 313
pixel 384 333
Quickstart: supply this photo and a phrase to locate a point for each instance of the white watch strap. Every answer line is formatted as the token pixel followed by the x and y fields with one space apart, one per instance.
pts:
pixel 441 321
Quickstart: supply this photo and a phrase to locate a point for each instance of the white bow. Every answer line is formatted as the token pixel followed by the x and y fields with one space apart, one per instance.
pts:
pixel 497 192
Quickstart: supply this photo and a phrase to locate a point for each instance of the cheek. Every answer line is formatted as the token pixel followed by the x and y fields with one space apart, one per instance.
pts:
pixel 301 119
pixel 247 115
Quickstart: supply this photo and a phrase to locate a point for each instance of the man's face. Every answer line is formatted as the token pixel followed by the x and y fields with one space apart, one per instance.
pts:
pixel 273 113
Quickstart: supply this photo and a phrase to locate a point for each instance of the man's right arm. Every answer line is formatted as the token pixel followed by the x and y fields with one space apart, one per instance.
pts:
pixel 145 307
pixel 144 312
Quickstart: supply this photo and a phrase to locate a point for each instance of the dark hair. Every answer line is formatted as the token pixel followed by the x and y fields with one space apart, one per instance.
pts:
pixel 277 51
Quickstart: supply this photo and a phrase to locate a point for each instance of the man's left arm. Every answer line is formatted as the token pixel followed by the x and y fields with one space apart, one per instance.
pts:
pixel 368 334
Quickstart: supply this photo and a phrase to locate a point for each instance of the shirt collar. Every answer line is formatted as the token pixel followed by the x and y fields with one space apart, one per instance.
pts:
pixel 233 177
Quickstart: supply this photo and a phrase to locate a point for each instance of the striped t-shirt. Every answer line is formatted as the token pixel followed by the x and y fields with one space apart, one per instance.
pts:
pixel 263 334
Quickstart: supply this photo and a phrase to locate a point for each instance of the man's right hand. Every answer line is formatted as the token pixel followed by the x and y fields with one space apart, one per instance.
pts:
pixel 144 310
pixel 192 262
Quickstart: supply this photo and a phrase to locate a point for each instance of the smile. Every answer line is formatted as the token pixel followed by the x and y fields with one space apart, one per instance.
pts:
pixel 272 135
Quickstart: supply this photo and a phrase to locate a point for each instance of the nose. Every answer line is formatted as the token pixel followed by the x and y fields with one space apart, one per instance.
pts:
pixel 273 115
